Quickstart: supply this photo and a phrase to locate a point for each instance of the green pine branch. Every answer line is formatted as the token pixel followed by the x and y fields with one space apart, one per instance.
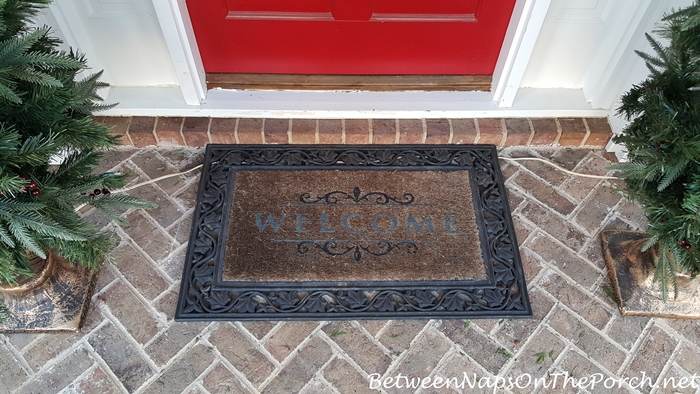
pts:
pixel 4 313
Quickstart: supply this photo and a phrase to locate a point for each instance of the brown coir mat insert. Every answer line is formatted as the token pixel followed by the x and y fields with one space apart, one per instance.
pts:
pixel 351 232
pixel 352 226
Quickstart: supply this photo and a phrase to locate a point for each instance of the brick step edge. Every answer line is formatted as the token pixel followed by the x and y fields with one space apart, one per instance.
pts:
pixel 143 131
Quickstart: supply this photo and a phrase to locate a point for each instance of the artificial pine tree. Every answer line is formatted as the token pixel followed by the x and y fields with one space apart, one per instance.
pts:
pixel 45 111
pixel 663 144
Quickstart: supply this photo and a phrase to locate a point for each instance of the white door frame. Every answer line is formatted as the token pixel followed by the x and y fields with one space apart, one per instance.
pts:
pixel 523 30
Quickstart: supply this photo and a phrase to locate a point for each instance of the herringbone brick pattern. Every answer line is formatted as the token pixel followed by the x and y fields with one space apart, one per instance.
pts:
pixel 130 342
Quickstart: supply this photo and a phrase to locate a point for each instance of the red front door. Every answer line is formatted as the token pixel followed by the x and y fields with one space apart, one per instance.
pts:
pixel 350 36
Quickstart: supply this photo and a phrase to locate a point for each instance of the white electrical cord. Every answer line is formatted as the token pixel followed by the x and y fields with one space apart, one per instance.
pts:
pixel 125 189
pixel 558 167
pixel 160 178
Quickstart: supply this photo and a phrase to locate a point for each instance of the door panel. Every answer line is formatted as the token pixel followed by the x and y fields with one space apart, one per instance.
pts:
pixel 352 37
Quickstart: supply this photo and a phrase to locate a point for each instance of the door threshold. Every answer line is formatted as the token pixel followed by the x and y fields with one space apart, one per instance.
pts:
pixel 376 83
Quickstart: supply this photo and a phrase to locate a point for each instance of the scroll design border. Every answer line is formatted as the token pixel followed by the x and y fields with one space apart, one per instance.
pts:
pixel 202 298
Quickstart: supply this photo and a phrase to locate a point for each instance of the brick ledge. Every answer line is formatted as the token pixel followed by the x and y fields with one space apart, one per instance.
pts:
pixel 143 131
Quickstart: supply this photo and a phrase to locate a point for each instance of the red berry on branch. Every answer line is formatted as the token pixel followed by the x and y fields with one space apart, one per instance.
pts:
pixel 686 246
pixel 683 242
pixel 32 185
pixel 97 192
pixel 35 192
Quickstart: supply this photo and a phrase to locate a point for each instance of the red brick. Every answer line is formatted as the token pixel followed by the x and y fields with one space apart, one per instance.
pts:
pixel 131 313
pixel 195 131
pixel 330 131
pixel 384 131
pixel 223 130
pixel 141 131
pixel 168 131
pixel 463 131
pixel 250 131
pixel 490 131
pixel 518 132
pixel 600 132
pixel 286 339
pixel 277 131
pixel 438 131
pixel 118 126
pixel 546 131
pixel 410 131
pixel 357 131
pixel 544 193
pixel 303 131
pixel 573 131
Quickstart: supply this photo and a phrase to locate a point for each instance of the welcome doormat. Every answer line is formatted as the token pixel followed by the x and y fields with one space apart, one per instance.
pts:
pixel 351 232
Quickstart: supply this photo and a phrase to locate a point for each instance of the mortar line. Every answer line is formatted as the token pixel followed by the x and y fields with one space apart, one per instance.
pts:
pixel 199 386
pixel 291 356
pixel 588 133
pixel 174 360
pixel 265 337
pixel 342 134
pixel 196 382
pixel 54 361
pixel 82 376
pixel 258 344
pixel 670 330
pixel 451 354
pixel 562 245
pixel 559 132
pixel 443 360
pixel 548 184
pixel 664 371
pixel 452 131
pixel 635 347
pixel 104 367
pixel 593 328
pixel 592 297
pixel 340 353
pixel 202 336
pixel 230 367
pixel 319 377
pixel 140 349
pixel 133 243
pixel 381 330
pixel 154 265
pixel 147 303
pixel 262 131
pixel 464 353
pixel 506 368
pixel 19 356
pixel 397 134
pixel 235 131
pixel 558 302
pixel 399 360
pixel 532 131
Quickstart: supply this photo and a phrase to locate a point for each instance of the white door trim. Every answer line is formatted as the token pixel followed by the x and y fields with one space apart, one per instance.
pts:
pixel 521 36
pixel 179 36
pixel 523 30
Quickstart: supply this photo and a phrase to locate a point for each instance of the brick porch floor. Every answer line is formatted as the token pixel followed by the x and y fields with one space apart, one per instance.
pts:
pixel 130 342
